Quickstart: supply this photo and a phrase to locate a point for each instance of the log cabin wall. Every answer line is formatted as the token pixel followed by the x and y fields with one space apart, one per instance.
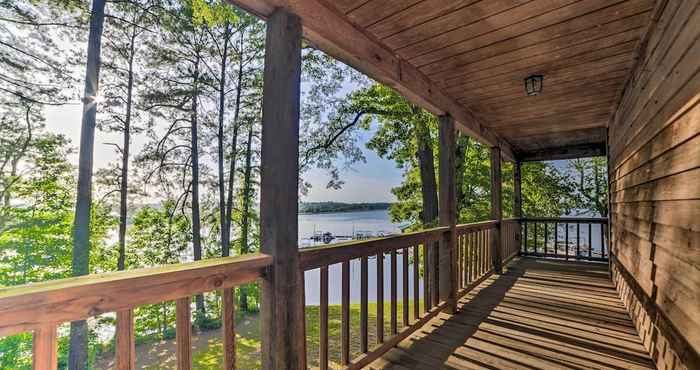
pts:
pixel 654 152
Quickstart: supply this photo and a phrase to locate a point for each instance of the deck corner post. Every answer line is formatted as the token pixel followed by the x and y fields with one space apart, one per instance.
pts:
pixel 496 213
pixel 448 213
pixel 518 200
pixel 282 309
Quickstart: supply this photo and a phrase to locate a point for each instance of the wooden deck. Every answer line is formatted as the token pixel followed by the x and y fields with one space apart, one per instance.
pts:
pixel 541 314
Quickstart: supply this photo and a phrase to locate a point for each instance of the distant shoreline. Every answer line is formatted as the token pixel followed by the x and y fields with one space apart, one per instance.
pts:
pixel 339 207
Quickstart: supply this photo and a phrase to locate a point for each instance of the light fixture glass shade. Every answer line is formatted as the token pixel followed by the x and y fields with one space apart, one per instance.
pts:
pixel 533 84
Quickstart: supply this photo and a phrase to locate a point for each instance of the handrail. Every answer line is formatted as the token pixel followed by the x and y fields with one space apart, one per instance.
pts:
pixel 474 226
pixel 28 307
pixel 315 257
pixel 594 220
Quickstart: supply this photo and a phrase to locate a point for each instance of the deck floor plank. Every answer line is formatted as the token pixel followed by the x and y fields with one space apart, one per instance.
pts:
pixel 540 314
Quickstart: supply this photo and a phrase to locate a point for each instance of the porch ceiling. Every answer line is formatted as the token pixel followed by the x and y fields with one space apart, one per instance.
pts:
pixel 477 54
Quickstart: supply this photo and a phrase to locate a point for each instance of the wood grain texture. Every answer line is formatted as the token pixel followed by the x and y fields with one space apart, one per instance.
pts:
pixel 448 212
pixel 183 333
pixel 282 308
pixel 527 318
pixel 45 348
pixel 654 169
pixel 496 211
pixel 125 349
pixel 228 327
pixel 26 307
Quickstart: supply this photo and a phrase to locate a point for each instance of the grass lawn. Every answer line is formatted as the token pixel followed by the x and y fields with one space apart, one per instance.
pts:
pixel 207 346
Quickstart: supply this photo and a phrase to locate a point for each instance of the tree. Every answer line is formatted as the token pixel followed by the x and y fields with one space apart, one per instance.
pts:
pixel 81 228
pixel 126 23
pixel 590 184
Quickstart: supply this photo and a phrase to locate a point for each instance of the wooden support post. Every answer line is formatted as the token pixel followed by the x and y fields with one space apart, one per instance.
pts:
pixel 518 202
pixel 125 352
pixel 282 309
pixel 448 214
pixel 496 209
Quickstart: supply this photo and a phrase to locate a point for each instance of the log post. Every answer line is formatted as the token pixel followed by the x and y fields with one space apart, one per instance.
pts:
pixel 496 209
pixel 282 309
pixel 448 214
pixel 518 202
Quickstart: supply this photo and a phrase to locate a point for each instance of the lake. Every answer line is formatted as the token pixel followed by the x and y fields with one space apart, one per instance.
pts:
pixel 351 223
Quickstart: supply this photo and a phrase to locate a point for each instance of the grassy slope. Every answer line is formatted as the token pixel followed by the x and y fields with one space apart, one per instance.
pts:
pixel 208 348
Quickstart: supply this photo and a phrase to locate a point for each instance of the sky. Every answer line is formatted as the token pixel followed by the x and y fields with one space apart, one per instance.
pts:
pixel 364 182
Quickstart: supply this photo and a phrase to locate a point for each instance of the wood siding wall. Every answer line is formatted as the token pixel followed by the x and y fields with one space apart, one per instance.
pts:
pixel 654 149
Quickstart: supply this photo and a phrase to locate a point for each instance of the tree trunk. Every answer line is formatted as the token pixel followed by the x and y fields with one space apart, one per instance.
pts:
pixel 461 150
pixel 225 226
pixel 196 220
pixel 426 163
pixel 123 188
pixel 77 358
pixel 245 218
pixel 234 139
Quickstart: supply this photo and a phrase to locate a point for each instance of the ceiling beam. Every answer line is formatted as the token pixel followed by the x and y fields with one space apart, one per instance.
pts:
pixel 568 152
pixel 331 31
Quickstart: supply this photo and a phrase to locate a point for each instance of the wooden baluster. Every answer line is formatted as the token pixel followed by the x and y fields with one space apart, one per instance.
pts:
pixel 556 239
pixel 435 268
pixel 465 251
pixel 590 240
pixel 458 265
pixel 546 238
pixel 394 293
pixel 380 297
pixel 345 309
pixel 602 240
pixel 183 333
pixel 228 313
pixel 534 232
pixel 426 279
pixel 404 260
pixel 578 239
pixel 125 351
pixel 416 284
pixel 363 304
pixel 45 348
pixel 566 240
pixel 524 243
pixel 482 252
pixel 470 253
pixel 323 326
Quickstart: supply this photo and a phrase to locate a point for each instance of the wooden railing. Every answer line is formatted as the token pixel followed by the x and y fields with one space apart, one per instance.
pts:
pixel 565 237
pixel 412 260
pixel 42 307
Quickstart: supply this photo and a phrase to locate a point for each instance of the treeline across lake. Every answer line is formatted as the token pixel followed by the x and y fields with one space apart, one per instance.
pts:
pixel 335 207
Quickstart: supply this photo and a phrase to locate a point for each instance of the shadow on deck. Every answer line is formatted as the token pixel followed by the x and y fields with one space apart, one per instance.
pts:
pixel 540 314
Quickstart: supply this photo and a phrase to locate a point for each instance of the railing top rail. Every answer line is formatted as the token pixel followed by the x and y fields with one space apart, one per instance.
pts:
pixel 315 257
pixel 594 220
pixel 477 225
pixel 26 307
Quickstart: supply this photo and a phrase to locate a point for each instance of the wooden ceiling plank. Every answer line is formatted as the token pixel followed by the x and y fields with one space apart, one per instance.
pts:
pixel 628 15
pixel 583 65
pixel 595 90
pixel 526 143
pixel 417 14
pixel 455 19
pixel 555 77
pixel 529 118
pixel 498 27
pixel 593 50
pixel 583 117
pixel 553 88
pixel 530 25
pixel 374 11
pixel 348 5
pixel 327 28
pixel 559 47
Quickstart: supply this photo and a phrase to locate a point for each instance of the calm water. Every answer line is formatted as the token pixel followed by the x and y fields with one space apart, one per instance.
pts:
pixel 349 223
